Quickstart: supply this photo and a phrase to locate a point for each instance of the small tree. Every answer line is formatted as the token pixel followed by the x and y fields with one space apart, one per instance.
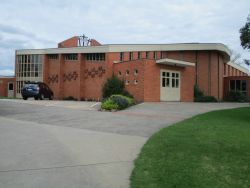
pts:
pixel 245 34
pixel 113 86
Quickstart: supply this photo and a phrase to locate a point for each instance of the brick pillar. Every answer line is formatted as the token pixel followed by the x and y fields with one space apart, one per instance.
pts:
pixel 81 58
pixel 45 69
pixel 61 72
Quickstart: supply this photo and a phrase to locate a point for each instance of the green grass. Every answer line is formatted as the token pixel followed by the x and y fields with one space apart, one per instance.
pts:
pixel 211 150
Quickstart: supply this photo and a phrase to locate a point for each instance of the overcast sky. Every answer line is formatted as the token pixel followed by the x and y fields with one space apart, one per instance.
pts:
pixel 44 23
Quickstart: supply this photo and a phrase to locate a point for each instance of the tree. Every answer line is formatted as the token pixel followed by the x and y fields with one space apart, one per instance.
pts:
pixel 245 34
pixel 235 57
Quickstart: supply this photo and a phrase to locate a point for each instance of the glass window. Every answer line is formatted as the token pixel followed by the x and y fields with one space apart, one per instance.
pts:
pixel 139 55
pixel 155 55
pixel 168 82
pixel 173 82
pixel 121 56
pixel 71 57
pixel 131 56
pixel 147 55
pixel 244 85
pixel 232 85
pixel 177 83
pixel 163 82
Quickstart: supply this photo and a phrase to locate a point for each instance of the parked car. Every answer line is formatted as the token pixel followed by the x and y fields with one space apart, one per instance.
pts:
pixel 38 90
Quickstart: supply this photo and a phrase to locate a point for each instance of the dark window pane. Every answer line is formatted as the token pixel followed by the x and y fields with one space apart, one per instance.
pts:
pixel 177 83
pixel 167 74
pixel 238 85
pixel 168 82
pixel 173 83
pixel 232 85
pixel 243 85
pixel 10 86
pixel 173 75
pixel 163 82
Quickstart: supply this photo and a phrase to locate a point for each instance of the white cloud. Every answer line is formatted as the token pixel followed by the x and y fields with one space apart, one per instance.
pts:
pixel 43 23
pixel 7 72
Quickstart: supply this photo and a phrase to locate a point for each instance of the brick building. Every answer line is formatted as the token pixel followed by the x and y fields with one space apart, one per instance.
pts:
pixel 7 86
pixel 152 72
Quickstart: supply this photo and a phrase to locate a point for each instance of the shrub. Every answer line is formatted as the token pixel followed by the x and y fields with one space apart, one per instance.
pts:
pixel 117 102
pixel 235 96
pixel 197 91
pixel 130 100
pixel 205 99
pixel 200 97
pixel 120 101
pixel 69 98
pixel 109 105
pixel 114 86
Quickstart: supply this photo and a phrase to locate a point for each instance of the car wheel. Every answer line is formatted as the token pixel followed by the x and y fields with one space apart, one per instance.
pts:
pixel 51 97
pixel 25 98
pixel 41 96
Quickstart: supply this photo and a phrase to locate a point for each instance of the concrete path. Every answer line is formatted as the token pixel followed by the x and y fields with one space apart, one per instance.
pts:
pixel 71 144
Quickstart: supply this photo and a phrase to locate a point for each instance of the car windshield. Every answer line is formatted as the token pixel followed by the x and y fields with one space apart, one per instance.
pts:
pixel 33 86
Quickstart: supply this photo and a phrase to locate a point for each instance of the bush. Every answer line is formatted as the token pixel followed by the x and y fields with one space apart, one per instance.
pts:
pixel 200 97
pixel 205 99
pixel 130 100
pixel 235 96
pixel 114 86
pixel 117 102
pixel 69 98
pixel 109 105
pixel 120 101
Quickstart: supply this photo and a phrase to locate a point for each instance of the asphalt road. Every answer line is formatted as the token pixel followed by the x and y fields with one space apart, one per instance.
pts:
pixel 71 144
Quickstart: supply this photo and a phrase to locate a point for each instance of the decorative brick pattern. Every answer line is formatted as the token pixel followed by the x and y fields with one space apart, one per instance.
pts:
pixel 92 73
pixel 70 76
pixel 53 79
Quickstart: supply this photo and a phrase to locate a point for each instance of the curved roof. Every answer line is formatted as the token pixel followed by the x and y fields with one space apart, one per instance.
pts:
pixel 132 47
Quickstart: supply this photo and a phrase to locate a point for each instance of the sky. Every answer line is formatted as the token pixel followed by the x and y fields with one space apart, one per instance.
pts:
pixel 44 23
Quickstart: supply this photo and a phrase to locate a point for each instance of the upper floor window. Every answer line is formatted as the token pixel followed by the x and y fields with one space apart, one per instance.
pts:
pixel 95 57
pixel 131 56
pixel 121 56
pixel 147 55
pixel 155 55
pixel 71 56
pixel 139 55
pixel 53 56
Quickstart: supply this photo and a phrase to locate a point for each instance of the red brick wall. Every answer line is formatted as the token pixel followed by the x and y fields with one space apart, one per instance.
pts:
pixel 71 42
pixel 4 86
pixel 92 75
pixel 94 79
pixel 135 89
pixel 152 81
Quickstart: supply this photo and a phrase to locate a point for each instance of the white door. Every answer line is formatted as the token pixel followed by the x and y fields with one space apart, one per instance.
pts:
pixel 170 85
pixel 10 89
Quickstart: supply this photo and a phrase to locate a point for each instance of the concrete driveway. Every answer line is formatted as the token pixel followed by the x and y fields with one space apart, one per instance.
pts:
pixel 71 144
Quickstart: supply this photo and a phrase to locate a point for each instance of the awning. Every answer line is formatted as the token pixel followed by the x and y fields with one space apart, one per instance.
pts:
pixel 174 62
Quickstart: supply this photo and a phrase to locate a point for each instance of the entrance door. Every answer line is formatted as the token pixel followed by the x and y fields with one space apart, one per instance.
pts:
pixel 10 89
pixel 170 85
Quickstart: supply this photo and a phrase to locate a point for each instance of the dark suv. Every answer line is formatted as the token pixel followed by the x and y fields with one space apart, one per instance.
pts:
pixel 38 90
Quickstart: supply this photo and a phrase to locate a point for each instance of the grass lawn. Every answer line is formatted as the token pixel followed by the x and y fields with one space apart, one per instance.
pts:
pixel 209 150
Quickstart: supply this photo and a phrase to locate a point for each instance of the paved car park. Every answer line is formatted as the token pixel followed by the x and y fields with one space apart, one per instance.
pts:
pixel 72 144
